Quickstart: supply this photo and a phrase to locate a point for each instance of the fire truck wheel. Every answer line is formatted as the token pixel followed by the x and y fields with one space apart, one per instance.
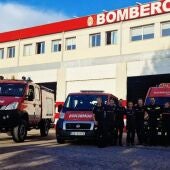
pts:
pixel 19 132
pixel 44 128
pixel 60 140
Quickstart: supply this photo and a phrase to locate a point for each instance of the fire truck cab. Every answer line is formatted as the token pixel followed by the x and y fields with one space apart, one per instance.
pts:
pixel 25 105
pixel 161 94
pixel 76 116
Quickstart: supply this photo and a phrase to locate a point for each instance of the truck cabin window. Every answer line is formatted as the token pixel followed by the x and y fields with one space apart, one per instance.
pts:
pixel 8 89
pixel 158 100
pixel 31 93
pixel 83 102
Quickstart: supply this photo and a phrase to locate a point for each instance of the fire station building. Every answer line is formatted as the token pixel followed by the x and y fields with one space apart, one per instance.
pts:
pixel 123 51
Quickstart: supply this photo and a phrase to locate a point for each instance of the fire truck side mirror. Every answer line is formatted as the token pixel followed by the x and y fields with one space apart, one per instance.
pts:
pixel 30 96
pixel 60 108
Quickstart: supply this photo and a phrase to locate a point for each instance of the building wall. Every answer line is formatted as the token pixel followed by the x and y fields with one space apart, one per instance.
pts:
pixel 102 68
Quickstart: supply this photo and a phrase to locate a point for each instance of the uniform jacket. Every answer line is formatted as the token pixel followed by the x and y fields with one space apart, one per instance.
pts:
pixel 153 112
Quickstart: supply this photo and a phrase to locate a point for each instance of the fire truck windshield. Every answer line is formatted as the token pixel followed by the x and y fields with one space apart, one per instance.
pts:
pixel 12 89
pixel 158 100
pixel 83 102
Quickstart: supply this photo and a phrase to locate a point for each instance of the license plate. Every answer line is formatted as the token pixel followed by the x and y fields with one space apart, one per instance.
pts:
pixel 77 133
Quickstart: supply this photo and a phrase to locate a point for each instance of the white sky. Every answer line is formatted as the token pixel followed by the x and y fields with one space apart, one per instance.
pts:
pixel 15 16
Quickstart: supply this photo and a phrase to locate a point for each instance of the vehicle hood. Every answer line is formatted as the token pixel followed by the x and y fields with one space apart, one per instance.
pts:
pixel 79 116
pixel 5 100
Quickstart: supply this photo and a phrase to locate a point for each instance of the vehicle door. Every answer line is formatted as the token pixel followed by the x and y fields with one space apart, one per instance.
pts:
pixel 29 106
pixel 37 104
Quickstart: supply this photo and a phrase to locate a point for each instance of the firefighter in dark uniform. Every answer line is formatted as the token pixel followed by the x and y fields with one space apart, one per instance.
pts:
pixel 166 124
pixel 130 116
pixel 140 112
pixel 153 112
pixel 111 116
pixel 119 122
pixel 101 122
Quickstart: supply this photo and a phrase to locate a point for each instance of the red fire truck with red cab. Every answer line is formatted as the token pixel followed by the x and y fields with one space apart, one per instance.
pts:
pixel 25 105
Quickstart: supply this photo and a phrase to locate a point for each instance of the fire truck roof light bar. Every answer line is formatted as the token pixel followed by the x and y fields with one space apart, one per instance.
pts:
pixel 88 91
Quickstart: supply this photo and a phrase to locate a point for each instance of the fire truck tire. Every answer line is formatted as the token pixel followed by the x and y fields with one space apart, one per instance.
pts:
pixel 44 128
pixel 19 132
pixel 60 140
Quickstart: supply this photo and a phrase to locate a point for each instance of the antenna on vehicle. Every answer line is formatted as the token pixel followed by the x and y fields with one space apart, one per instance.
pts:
pixel 29 79
pixel 23 78
pixel 12 77
pixel 1 77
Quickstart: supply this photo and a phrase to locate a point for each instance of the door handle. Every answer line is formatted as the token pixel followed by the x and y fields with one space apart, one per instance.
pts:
pixel 34 104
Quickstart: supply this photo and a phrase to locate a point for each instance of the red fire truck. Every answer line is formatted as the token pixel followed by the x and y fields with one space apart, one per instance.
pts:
pixel 160 93
pixel 24 106
pixel 76 116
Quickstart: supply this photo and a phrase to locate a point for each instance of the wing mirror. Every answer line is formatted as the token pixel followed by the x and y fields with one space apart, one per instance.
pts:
pixel 60 108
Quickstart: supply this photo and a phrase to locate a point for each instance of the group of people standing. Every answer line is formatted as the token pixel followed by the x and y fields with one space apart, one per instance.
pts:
pixel 140 120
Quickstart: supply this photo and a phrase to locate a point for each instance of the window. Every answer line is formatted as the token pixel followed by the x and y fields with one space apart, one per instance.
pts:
pixel 142 33
pixel 83 102
pixel 111 37
pixel 12 89
pixel 1 53
pixel 136 34
pixel 71 43
pixel 40 48
pixel 31 94
pixel 56 45
pixel 166 29
pixel 148 32
pixel 95 40
pixel 11 52
pixel 27 49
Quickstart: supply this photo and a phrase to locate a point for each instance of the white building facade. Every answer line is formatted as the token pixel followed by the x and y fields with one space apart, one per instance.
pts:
pixel 97 52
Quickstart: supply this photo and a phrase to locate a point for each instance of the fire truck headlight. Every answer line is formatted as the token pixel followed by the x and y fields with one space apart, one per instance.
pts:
pixel 3 108
pixel 12 106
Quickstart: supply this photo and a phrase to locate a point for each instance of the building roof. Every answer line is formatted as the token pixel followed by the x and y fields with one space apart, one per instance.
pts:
pixel 53 28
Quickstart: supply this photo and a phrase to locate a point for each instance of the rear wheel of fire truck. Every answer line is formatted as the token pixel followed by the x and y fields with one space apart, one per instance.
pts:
pixel 44 128
pixel 19 132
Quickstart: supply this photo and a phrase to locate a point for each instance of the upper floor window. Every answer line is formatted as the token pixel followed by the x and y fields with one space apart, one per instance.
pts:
pixel 27 49
pixel 95 40
pixel 11 52
pixel 1 53
pixel 71 43
pixel 40 48
pixel 111 37
pixel 165 29
pixel 142 33
pixel 56 45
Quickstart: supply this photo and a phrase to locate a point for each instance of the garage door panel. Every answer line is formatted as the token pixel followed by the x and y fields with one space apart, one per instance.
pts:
pixel 107 85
